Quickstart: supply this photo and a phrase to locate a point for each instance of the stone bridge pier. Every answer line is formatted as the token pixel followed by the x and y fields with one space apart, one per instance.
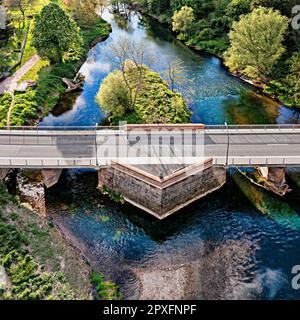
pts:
pixel 161 190
pixel 3 173
pixel 31 185
pixel 275 179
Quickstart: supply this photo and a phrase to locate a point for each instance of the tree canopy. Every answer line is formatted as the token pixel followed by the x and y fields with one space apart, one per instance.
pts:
pixel 182 21
pixel 56 36
pixel 113 95
pixel 256 43
pixel 155 103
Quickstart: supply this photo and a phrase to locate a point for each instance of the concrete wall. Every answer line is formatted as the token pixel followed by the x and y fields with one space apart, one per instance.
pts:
pixel 163 201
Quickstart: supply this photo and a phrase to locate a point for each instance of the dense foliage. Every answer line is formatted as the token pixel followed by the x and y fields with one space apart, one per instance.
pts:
pixel 106 289
pixel 254 34
pixel 256 43
pixel 36 102
pixel 154 102
pixel 113 95
pixel 55 35
pixel 5 102
pixel 29 278
pixel 182 21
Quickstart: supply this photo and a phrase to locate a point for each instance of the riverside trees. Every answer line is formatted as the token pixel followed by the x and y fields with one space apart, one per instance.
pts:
pixel 134 89
pixel 55 35
pixel 154 102
pixel 252 35
pixel 256 43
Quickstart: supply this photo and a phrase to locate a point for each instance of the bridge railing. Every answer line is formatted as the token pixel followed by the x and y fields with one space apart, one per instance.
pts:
pixel 291 161
pixel 93 162
pixel 253 127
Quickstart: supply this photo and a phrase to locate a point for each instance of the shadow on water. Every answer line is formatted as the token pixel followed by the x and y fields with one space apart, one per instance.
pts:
pixel 219 247
pixel 65 103
pixel 223 230
pixel 278 209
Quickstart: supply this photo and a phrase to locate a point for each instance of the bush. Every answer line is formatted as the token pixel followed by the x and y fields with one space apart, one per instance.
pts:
pixel 5 102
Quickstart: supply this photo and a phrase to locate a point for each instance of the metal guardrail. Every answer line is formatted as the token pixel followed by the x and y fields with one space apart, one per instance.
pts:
pixel 6 162
pixel 258 161
pixel 253 127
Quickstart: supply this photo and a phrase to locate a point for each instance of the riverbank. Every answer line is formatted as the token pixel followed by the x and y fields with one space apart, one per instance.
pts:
pixel 33 245
pixel 36 103
pixel 263 89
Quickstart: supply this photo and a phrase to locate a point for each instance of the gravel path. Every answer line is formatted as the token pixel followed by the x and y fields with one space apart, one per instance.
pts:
pixel 11 83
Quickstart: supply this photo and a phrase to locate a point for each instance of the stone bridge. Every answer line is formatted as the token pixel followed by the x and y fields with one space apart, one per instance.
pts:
pixel 159 168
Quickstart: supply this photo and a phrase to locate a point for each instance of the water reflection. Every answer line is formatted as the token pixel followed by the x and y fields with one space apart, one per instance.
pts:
pixel 218 97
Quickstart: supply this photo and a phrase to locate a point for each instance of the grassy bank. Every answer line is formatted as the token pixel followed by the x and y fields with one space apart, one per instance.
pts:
pixel 37 102
pixel 38 262
pixel 11 50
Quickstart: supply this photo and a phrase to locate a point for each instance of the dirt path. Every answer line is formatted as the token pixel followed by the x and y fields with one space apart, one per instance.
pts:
pixel 11 83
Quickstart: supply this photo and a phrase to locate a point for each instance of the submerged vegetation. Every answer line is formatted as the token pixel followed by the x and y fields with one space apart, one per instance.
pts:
pixel 116 197
pixel 268 203
pixel 105 289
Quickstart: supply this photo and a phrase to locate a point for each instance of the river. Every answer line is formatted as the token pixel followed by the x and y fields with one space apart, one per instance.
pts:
pixel 220 247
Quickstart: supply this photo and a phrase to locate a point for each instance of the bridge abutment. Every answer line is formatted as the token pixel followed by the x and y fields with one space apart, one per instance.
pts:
pixel 3 173
pixel 275 179
pixel 31 186
pixel 160 195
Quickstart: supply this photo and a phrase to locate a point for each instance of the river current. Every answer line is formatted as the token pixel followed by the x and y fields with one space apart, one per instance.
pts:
pixel 221 247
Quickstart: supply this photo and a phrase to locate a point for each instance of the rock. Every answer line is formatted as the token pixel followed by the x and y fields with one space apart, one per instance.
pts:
pixel 51 177
pixel 31 190
pixel 3 173
pixel 274 179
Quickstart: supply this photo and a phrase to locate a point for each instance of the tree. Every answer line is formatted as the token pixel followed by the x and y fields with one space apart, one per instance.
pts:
pixel 182 21
pixel 256 43
pixel 155 103
pixel 113 95
pixel 21 5
pixel 293 80
pixel 125 50
pixel 55 35
pixel 83 11
pixel 285 6
pixel 176 75
pixel 235 8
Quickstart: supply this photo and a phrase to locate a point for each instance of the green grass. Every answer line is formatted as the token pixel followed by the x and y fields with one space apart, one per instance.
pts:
pixel 5 102
pixel 32 252
pixel 11 56
pixel 37 102
pixel 33 73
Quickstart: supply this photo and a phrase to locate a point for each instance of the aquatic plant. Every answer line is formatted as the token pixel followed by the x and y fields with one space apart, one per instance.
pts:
pixel 116 197
pixel 106 289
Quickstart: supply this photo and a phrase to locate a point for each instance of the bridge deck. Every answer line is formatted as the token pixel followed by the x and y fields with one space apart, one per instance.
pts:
pixel 93 147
